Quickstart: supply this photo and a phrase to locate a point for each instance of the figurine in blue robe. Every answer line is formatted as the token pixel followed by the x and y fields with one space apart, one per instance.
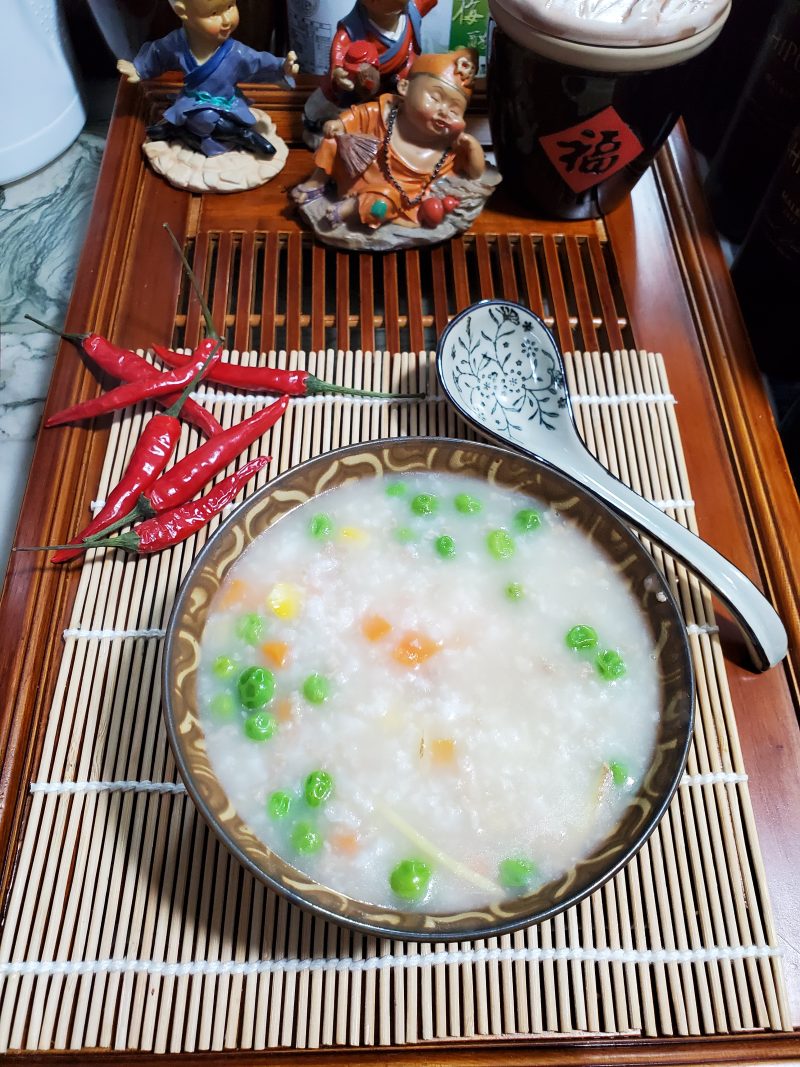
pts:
pixel 210 115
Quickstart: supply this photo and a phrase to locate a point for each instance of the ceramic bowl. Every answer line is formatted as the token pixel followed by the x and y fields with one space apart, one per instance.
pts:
pixel 377 460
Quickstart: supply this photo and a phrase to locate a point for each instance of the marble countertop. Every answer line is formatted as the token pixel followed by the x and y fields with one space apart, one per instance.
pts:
pixel 43 221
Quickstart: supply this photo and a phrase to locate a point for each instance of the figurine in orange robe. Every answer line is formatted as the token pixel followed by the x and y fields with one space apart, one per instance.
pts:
pixel 382 156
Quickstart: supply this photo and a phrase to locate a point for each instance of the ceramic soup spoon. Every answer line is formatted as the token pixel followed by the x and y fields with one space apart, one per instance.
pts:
pixel 500 366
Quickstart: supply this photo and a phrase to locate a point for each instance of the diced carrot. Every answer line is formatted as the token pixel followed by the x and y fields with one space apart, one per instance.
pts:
pixel 233 592
pixel 277 652
pixel 344 841
pixel 374 627
pixel 414 648
pixel 283 710
pixel 443 751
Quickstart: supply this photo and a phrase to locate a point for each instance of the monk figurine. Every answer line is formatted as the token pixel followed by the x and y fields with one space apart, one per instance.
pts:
pixel 373 48
pixel 401 170
pixel 210 118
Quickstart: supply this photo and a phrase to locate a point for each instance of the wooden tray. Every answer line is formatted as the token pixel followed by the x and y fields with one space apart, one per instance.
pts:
pixel 649 276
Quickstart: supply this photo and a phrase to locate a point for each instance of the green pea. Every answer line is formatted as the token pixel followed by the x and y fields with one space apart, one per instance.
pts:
pixel 305 838
pixel 501 544
pixel 318 787
pixel 527 520
pixel 223 707
pixel 610 665
pixel 468 505
pixel 316 689
pixel 256 687
pixel 404 535
pixel 251 628
pixel 260 726
pixel 280 803
pixel 223 667
pixel 396 489
pixel 619 773
pixel 320 527
pixel 424 504
pixel 514 591
pixel 581 638
pixel 516 873
pixel 446 547
pixel 410 879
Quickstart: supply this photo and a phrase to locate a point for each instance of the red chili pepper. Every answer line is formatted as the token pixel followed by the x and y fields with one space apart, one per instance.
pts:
pixel 150 456
pixel 146 388
pixel 181 522
pixel 272 379
pixel 191 473
pixel 129 367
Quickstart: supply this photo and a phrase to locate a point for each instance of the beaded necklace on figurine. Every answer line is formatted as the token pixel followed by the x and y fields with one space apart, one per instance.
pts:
pixel 387 170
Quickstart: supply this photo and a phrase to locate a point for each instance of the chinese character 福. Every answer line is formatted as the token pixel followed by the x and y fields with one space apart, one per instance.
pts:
pixel 592 158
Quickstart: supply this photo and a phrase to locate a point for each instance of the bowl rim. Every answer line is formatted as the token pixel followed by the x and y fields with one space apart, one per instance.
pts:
pixel 440 933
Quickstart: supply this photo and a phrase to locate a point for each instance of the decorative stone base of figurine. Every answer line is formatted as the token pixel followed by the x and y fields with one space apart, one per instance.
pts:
pixel 229 172
pixel 352 235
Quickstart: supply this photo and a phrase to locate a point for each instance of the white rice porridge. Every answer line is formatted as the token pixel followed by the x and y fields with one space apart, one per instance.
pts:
pixel 419 731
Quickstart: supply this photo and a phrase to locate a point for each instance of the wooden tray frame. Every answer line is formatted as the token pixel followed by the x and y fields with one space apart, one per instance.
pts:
pixel 679 299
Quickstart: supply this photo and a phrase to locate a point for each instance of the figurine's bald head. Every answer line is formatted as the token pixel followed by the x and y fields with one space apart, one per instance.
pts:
pixel 215 20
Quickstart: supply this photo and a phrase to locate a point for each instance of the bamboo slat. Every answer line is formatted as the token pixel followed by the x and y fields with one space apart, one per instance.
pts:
pixel 128 926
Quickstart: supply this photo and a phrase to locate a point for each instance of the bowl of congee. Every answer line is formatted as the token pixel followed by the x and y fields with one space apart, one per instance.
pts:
pixel 428 688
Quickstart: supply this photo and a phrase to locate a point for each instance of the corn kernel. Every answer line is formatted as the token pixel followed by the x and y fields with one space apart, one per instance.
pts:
pixel 284 600
pixel 353 533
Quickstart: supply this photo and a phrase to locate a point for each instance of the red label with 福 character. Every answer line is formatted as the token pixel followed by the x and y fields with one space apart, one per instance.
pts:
pixel 592 150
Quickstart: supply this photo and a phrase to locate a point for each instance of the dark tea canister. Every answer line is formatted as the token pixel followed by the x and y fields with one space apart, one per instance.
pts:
pixel 582 94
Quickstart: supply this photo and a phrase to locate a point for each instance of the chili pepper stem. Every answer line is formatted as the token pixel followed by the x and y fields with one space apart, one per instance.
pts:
pixel 140 512
pixel 175 409
pixel 212 332
pixel 40 548
pixel 120 541
pixel 74 338
pixel 316 386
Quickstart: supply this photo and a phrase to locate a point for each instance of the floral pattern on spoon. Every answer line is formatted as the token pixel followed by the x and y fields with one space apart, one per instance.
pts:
pixel 504 380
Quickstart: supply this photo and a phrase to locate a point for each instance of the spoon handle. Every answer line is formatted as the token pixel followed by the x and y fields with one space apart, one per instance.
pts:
pixel 762 628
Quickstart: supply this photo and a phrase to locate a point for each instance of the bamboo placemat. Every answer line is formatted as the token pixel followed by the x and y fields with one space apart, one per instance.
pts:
pixel 129 926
